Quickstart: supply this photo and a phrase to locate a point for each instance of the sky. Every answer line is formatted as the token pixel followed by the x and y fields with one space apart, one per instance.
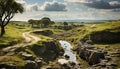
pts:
pixel 69 10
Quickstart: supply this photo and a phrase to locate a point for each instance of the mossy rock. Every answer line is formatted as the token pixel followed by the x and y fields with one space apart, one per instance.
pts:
pixel 48 50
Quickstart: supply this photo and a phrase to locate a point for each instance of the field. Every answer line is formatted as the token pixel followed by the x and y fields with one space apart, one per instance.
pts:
pixel 72 33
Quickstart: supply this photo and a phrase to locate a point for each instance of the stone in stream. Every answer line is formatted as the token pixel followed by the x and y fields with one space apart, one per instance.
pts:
pixel 67 57
pixel 71 65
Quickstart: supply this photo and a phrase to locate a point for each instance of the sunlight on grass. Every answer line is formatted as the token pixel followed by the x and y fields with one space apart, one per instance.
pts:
pixel 13 35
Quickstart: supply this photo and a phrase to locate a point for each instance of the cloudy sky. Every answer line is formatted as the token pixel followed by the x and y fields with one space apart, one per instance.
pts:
pixel 69 9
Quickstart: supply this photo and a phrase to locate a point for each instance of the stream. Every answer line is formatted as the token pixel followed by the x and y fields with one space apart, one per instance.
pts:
pixel 67 48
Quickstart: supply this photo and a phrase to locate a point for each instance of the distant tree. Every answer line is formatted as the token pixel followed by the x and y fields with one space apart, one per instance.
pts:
pixel 8 8
pixel 31 21
pixel 52 22
pixel 34 22
pixel 65 24
pixel 46 21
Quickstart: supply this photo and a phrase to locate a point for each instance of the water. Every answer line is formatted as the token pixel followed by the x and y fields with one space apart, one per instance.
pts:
pixel 67 48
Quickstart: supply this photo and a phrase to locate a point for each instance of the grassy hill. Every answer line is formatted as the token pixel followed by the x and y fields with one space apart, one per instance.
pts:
pixel 13 33
pixel 84 31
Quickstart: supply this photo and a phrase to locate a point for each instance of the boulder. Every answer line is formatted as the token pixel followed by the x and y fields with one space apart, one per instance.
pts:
pixel 95 57
pixel 67 57
pixel 27 56
pixel 91 54
pixel 30 64
pixel 38 62
pixel 8 66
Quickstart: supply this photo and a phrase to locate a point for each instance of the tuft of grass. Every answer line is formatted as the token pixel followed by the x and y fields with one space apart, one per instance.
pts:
pixel 12 60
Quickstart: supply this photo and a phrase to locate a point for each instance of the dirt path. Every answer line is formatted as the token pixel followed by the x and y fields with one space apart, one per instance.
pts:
pixel 29 40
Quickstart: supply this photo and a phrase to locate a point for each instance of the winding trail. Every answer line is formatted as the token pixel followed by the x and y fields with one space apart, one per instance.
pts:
pixel 29 40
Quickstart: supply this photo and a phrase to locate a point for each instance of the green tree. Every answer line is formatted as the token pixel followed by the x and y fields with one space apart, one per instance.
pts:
pixel 8 8
pixel 46 21
pixel 34 22
pixel 52 22
pixel 31 21
pixel 65 25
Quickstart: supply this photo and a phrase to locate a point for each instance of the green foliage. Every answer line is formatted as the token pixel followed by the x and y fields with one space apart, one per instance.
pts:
pixel 46 21
pixel 8 8
pixel 12 60
pixel 13 34
pixel 43 23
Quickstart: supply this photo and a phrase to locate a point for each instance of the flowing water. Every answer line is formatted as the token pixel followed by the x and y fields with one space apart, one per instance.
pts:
pixel 67 48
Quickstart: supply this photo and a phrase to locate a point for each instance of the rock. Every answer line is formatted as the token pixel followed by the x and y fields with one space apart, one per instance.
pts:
pixel 109 67
pixel 104 37
pixel 101 64
pixel 30 64
pixel 67 57
pixel 116 53
pixel 62 61
pixel 95 57
pixel 72 63
pixel 113 64
pixel 10 53
pixel 27 56
pixel 104 61
pixel 8 66
pixel 50 47
pixel 38 62
pixel 108 58
pixel 90 54
pixel 107 46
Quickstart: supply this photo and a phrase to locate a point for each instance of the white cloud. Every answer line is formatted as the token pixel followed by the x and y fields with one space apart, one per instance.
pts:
pixel 81 1
pixel 85 13
pixel 97 4
pixel 32 7
pixel 47 6
pixel 53 6
pixel 29 7
pixel 21 1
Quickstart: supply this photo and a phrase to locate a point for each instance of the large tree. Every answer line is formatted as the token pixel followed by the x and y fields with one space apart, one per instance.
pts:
pixel 8 8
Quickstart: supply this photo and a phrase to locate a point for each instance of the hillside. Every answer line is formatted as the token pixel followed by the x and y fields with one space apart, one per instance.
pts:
pixel 103 36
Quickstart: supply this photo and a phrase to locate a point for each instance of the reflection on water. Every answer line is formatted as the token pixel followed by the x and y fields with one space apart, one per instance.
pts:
pixel 67 47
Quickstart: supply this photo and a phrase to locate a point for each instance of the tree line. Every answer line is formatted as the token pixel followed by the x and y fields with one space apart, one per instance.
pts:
pixel 42 23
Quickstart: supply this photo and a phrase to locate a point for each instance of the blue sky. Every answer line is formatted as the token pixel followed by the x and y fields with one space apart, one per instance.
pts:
pixel 69 9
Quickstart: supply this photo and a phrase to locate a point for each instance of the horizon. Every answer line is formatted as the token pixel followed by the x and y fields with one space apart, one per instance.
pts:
pixel 69 10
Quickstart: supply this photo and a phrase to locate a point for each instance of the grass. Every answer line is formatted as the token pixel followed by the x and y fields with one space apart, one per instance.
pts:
pixel 12 60
pixel 111 48
pixel 13 35
pixel 81 32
